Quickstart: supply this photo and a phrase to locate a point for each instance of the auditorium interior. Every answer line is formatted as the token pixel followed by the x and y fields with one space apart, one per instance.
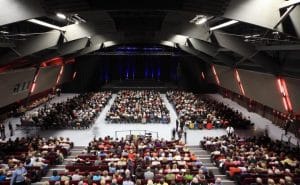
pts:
pixel 170 92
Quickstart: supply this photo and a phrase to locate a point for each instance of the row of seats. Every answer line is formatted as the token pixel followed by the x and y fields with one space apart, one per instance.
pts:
pixel 200 112
pixel 140 160
pixel 36 154
pixel 254 159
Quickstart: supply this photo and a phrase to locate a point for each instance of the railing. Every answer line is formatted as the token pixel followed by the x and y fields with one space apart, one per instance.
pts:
pixel 137 132
pixel 288 139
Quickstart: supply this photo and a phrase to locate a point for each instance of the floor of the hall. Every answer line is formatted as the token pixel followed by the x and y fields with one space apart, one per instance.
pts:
pixel 101 128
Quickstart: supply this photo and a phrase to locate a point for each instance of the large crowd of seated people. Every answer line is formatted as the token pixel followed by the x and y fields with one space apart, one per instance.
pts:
pixel 198 112
pixel 135 160
pixel 78 112
pixel 255 160
pixel 145 106
pixel 30 156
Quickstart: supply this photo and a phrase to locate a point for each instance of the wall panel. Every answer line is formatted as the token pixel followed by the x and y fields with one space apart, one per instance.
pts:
pixel 14 85
pixel 262 88
pixel 293 86
pixel 46 78
pixel 227 79
pixel 67 74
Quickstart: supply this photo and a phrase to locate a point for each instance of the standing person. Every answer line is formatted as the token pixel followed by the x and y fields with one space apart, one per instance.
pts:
pixel 185 135
pixel 177 124
pixel 11 129
pixel 179 133
pixel 181 123
pixel 2 131
pixel 288 124
pixel 18 176
pixel 173 133
pixel 230 130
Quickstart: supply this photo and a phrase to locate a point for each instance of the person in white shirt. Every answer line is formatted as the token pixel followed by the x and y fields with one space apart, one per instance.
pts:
pixel 230 130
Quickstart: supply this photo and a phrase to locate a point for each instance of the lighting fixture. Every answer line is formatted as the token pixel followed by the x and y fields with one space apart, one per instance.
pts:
pixel 45 24
pixel 61 16
pixel 223 25
pixel 199 19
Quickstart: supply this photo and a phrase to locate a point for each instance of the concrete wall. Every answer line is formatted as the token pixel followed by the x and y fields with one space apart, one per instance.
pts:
pixel 14 85
pixel 46 78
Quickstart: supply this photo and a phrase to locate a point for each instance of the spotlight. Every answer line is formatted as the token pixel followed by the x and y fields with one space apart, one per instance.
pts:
pixel 61 16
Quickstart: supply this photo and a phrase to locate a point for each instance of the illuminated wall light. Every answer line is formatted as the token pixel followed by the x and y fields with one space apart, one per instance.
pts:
pixel 74 75
pixel 240 84
pixel 33 85
pixel 60 74
pixel 215 74
pixel 285 104
pixel 285 95
pixel 202 75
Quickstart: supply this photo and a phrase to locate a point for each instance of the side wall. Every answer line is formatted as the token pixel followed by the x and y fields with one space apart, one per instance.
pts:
pixel 14 85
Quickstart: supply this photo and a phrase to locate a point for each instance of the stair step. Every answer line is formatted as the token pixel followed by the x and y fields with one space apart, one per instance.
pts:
pixel 192 146
pixel 208 164
pixel 57 169
pixel 200 156
pixel 212 168
pixel 59 166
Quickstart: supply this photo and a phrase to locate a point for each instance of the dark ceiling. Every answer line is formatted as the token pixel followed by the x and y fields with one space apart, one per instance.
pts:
pixel 140 21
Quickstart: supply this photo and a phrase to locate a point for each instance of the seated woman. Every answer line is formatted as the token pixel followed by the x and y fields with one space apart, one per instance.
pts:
pixel 55 176
pixel 167 169
pixel 174 169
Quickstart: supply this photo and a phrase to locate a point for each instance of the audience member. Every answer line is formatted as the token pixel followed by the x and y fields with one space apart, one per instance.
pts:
pixel 138 107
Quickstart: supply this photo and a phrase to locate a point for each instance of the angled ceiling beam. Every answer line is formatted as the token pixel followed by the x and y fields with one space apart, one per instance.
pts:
pixel 211 50
pixel 196 53
pixel 12 11
pixel 28 47
pixel 73 46
pixel 263 13
pixel 294 17
pixel 247 50
pixel 289 3
pixel 48 40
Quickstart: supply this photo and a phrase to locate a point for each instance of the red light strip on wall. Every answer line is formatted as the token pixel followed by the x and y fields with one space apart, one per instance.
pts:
pixel 60 74
pixel 74 75
pixel 203 76
pixel 33 85
pixel 215 74
pixel 237 75
pixel 285 94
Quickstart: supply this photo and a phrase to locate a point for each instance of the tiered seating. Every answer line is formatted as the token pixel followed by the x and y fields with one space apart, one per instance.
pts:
pixel 245 160
pixel 35 153
pixel 78 112
pixel 199 112
pixel 117 160
pixel 138 107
